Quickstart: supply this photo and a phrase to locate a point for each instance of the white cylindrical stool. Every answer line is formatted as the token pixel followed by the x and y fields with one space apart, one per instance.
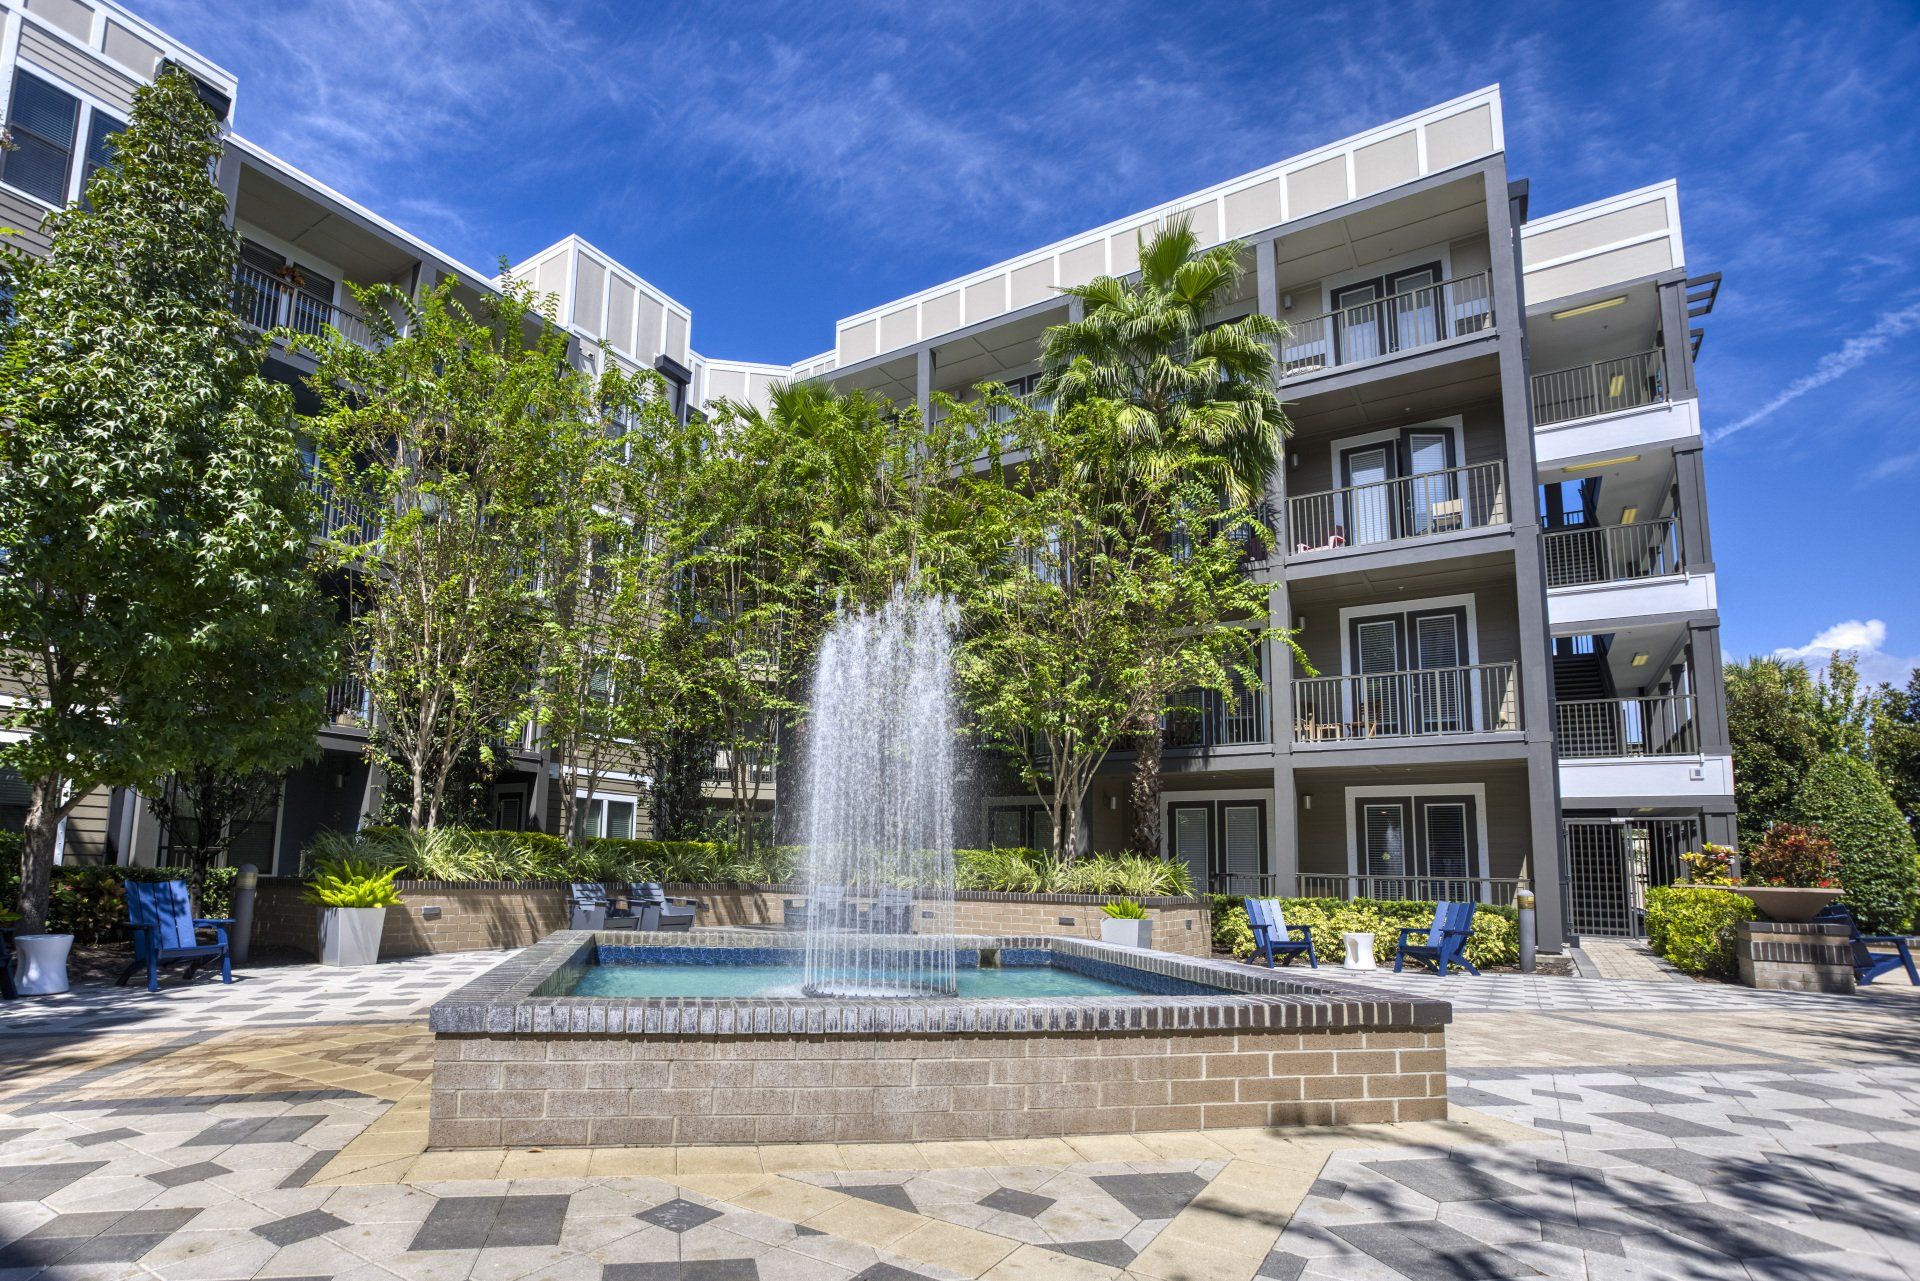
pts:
pixel 40 963
pixel 1359 951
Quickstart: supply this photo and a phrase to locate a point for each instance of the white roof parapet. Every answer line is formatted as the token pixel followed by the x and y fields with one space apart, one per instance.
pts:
pixel 1427 142
pixel 1621 238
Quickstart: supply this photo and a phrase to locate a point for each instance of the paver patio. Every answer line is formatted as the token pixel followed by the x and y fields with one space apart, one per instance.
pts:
pixel 1602 1129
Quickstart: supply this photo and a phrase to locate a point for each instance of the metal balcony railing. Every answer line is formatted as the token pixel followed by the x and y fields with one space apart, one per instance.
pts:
pixel 1399 322
pixel 1655 725
pixel 1612 553
pixel 1480 699
pixel 1201 719
pixel 1451 889
pixel 757 770
pixel 347 701
pixel 1389 511
pixel 267 302
pixel 341 518
pixel 1602 387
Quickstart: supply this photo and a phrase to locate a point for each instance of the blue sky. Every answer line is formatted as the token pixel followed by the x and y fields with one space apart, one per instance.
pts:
pixel 778 166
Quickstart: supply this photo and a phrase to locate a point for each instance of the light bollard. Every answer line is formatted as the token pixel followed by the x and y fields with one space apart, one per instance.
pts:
pixel 1529 937
pixel 244 885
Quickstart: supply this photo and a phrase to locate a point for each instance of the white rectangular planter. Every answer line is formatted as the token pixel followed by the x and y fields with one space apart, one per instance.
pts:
pixel 1127 933
pixel 351 935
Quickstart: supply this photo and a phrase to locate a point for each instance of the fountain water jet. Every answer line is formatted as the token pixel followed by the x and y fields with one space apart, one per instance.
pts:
pixel 879 805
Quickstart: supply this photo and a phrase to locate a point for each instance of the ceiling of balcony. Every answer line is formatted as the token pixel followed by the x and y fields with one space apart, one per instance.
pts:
pixel 1385 398
pixel 331 234
pixel 1587 330
pixel 1450 212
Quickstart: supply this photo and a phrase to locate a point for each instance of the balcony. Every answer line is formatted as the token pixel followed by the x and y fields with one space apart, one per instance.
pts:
pixel 1431 702
pixel 1602 387
pixel 347 702
pixel 1202 719
pixel 1658 725
pixel 1612 553
pixel 1397 323
pixel 267 302
pixel 1391 511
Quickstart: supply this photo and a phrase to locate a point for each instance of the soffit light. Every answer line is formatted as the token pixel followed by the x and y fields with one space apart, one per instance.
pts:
pixel 1639 660
pixel 1598 463
pixel 1590 308
pixel 1628 515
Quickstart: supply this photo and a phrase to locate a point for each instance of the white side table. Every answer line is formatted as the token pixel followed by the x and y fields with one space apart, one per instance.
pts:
pixel 40 963
pixel 1359 951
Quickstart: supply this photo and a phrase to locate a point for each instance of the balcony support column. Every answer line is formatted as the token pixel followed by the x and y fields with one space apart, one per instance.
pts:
pixel 1676 341
pixel 1690 506
pixel 1284 821
pixel 1504 215
pixel 923 382
pixel 1709 688
pixel 226 176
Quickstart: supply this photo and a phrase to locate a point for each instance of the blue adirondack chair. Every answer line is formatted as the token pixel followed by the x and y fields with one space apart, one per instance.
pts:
pixel 1868 964
pixel 1446 940
pixel 1272 938
pixel 165 930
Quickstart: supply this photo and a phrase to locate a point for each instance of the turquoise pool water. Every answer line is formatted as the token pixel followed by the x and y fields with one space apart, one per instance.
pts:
pixel 721 981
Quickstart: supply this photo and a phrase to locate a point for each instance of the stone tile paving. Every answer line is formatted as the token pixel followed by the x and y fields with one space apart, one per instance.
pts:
pixel 397 990
pixel 1559 994
pixel 202 1158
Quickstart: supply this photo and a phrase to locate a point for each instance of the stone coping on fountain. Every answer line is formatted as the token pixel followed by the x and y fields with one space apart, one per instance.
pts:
pixel 518 997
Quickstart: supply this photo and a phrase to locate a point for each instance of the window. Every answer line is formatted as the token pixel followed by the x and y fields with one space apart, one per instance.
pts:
pixel 1024 826
pixel 1222 842
pixel 100 132
pixel 1418 846
pixel 611 817
pixel 44 122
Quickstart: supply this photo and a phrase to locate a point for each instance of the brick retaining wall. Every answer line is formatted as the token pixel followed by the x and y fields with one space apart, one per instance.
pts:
pixel 490 1091
pixel 1809 956
pixel 437 916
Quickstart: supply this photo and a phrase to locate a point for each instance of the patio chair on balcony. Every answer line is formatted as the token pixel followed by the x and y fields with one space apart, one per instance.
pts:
pixel 1272 938
pixel 1869 964
pixel 1446 941
pixel 166 931
pixel 648 900
pixel 1338 538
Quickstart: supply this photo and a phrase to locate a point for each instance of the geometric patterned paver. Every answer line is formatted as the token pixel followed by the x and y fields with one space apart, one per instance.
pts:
pixel 184 1174
pixel 1014 1201
pixel 1151 1196
pixel 891 1194
pixel 38 1182
pixel 686 1270
pixel 492 1222
pixel 1432 1252
pixel 1115 1254
pixel 1440 1179
pixel 251 1129
pixel 106 1236
pixel 678 1215
pixel 300 1227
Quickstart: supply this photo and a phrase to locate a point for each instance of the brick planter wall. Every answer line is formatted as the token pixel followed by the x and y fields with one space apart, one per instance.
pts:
pixel 490 1091
pixel 1809 956
pixel 439 916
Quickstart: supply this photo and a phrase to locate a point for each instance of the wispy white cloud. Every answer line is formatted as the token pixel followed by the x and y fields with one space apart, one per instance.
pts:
pixel 1865 639
pixel 1897 465
pixel 1835 365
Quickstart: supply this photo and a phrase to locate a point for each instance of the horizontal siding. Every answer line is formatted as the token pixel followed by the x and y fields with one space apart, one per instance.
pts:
pixel 87 828
pixel 115 88
pixel 23 216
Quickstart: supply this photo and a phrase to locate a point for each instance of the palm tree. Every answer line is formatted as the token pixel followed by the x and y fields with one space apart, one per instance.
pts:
pixel 1194 395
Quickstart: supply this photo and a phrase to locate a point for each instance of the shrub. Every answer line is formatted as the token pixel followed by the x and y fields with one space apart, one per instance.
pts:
pixel 1693 927
pixel 352 882
pixel 1792 854
pixel 1124 909
pixel 1844 798
pixel 1030 871
pixel 1494 940
pixel 1710 865
pixel 90 902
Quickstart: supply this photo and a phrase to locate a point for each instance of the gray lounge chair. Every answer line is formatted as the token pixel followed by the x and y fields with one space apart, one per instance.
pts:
pixel 648 900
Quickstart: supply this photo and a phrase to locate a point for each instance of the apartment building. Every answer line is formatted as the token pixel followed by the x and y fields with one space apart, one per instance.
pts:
pixel 1490 530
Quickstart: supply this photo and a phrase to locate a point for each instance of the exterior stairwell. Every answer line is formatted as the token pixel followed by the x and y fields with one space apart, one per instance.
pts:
pixel 1580 681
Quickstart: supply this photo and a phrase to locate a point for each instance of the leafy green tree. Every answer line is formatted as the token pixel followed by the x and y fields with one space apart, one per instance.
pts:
pixel 1845 799
pixel 783 513
pixel 444 430
pixel 1069 611
pixel 152 506
pixel 1772 722
pixel 1896 745
pixel 1194 397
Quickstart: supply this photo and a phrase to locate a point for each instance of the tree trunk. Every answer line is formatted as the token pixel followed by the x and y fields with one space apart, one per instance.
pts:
pixel 1143 795
pixel 38 838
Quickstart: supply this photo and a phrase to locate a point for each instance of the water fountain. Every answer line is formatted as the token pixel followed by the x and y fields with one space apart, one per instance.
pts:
pixel 878 805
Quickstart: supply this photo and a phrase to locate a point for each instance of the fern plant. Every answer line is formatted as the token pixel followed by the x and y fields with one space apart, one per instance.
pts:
pixel 353 882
